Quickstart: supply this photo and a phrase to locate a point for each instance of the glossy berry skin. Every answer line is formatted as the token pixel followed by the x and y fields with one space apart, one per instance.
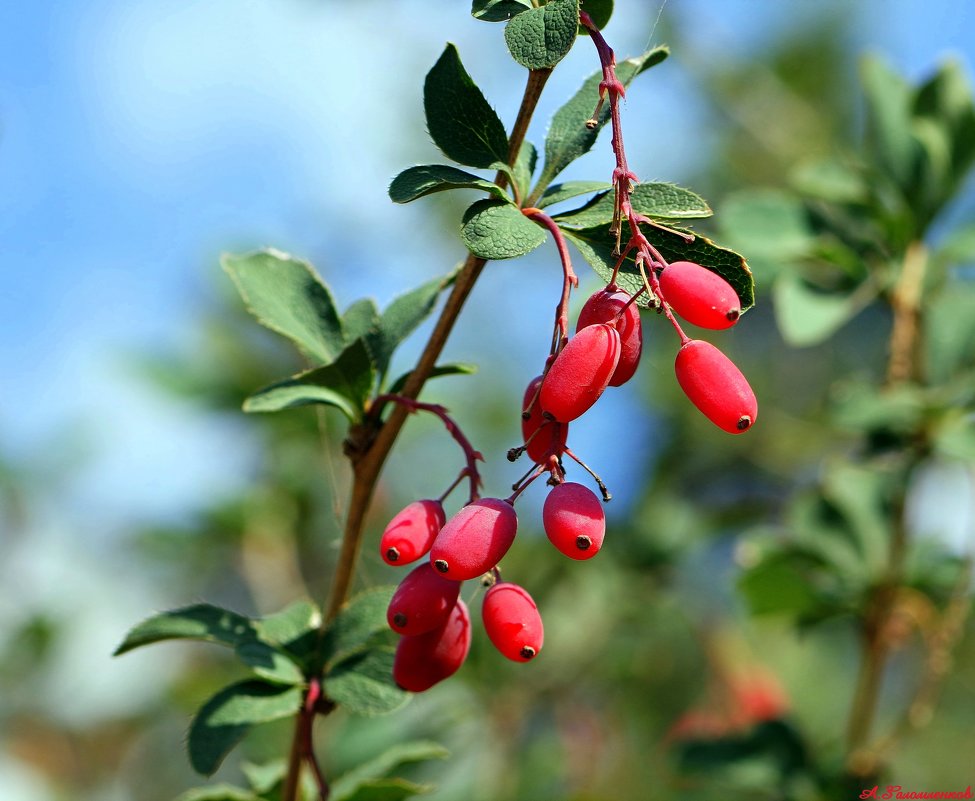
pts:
pixel 512 622
pixel 574 521
pixel 425 659
pixel 422 602
pixel 716 386
pixel 602 307
pixel 410 533
pixel 700 296
pixel 475 539
pixel 551 439
pixel 580 372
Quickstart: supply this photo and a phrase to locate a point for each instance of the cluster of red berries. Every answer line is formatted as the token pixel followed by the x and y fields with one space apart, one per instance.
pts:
pixel 426 608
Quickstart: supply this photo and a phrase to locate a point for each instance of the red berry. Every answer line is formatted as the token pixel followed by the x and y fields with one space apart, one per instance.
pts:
pixel 425 659
pixel 700 296
pixel 512 622
pixel 422 601
pixel 580 372
pixel 603 307
pixel 551 439
pixel 713 383
pixel 475 539
pixel 574 520
pixel 410 534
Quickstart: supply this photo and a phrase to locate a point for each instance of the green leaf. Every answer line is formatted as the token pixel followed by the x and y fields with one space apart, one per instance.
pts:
pixel 203 622
pixel 933 182
pixel 498 10
pixel 599 10
pixel 778 584
pixel 494 229
pixel 344 384
pixel 287 296
pixel 863 407
pixel 596 245
pixel 355 626
pixel 568 137
pixel 889 142
pixel 659 201
pixel 541 37
pixel 827 179
pixel 807 316
pixel 954 435
pixel 959 246
pixel 264 777
pixel 947 98
pixel 859 494
pixel 457 368
pixel 418 751
pixel 218 792
pixel 363 684
pixel 771 226
pixel 416 182
pixel 386 790
pixel 570 189
pixel 401 317
pixel 360 320
pixel 294 629
pixel 524 168
pixel 949 327
pixel 270 663
pixel 224 720
pixel 459 119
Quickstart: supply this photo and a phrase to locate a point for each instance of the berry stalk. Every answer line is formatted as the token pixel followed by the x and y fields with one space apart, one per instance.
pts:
pixel 569 278
pixel 647 256
pixel 471 455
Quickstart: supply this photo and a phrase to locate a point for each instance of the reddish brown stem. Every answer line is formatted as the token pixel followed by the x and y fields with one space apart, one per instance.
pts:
pixel 569 278
pixel 612 88
pixel 471 455
pixel 303 749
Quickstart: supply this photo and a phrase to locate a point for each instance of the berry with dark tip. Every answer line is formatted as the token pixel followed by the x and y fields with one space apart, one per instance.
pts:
pixel 475 539
pixel 423 660
pixel 580 372
pixel 574 521
pixel 604 307
pixel 512 621
pixel 422 602
pixel 700 296
pixel 410 533
pixel 716 386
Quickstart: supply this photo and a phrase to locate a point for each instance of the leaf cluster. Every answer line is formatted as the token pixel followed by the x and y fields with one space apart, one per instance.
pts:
pixel 467 130
pixel 351 351
pixel 352 657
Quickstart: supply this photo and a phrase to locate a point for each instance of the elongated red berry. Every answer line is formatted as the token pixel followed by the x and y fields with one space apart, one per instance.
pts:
pixel 544 437
pixel 512 621
pixel 422 602
pixel 603 307
pixel 425 659
pixel 580 372
pixel 700 296
pixel 475 539
pixel 716 386
pixel 410 533
pixel 574 521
